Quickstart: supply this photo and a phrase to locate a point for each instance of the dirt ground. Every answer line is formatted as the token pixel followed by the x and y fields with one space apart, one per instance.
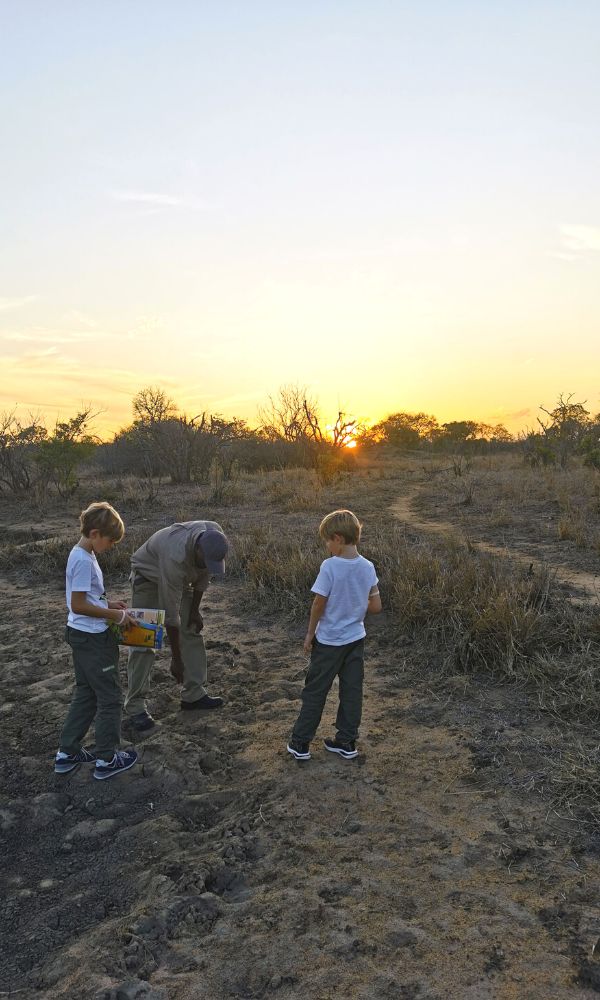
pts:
pixel 433 866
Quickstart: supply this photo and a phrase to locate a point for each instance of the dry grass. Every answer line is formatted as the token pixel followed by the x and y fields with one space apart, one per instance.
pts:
pixel 472 610
pixel 279 570
pixel 501 496
pixel 574 782
pixel 293 490
pixel 41 561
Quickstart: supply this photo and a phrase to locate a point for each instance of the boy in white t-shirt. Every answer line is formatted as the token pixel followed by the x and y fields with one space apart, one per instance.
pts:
pixel 345 590
pixel 97 693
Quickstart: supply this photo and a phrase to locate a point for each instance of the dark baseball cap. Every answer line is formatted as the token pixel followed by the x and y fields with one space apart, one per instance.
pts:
pixel 214 547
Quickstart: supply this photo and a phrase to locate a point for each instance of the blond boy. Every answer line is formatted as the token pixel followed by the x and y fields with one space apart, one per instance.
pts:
pixel 97 693
pixel 345 590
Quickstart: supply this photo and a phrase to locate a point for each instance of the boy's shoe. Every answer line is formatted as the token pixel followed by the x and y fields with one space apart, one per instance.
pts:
pixel 122 761
pixel 65 762
pixel 347 750
pixel 141 722
pixel 201 704
pixel 298 749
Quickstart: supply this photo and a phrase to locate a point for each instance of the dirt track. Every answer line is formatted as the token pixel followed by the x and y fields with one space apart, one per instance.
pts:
pixel 586 585
pixel 433 866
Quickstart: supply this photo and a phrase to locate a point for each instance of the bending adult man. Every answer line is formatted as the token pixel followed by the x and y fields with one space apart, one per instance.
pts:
pixel 171 571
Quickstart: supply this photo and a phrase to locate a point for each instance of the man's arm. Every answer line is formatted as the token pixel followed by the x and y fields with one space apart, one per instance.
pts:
pixel 316 613
pixel 176 658
pixel 195 619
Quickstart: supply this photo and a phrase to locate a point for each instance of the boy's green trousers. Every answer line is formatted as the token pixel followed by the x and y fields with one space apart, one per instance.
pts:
pixel 326 663
pixel 144 594
pixel 97 693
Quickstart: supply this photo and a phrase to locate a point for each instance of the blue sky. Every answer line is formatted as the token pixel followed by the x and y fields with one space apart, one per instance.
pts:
pixel 394 204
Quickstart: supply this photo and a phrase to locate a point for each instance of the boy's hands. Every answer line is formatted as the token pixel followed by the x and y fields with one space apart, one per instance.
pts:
pixel 308 641
pixel 121 606
pixel 123 622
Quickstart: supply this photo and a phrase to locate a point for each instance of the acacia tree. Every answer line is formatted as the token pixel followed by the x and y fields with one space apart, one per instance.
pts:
pixel 59 455
pixel 403 430
pixel 566 428
pixel 151 405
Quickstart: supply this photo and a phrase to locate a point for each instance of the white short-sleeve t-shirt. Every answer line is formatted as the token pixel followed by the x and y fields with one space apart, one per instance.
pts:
pixel 346 583
pixel 84 575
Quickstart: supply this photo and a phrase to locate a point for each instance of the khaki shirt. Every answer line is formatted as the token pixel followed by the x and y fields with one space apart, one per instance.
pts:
pixel 167 559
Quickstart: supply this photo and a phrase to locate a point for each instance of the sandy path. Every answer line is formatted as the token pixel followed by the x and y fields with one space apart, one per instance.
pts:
pixel 586 584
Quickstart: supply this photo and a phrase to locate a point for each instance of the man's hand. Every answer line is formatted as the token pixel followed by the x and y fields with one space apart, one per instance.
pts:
pixel 195 620
pixel 177 669
pixel 308 642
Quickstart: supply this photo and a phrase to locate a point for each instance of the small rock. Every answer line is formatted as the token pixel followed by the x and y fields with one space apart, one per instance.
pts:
pixel 132 989
pixel 47 884
pixel 90 829
pixel 7 819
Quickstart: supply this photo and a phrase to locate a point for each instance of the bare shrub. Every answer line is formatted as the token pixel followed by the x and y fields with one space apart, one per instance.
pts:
pixel 19 444
pixel 224 482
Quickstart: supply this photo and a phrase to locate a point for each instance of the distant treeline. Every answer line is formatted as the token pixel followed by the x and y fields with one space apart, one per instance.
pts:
pixel 161 441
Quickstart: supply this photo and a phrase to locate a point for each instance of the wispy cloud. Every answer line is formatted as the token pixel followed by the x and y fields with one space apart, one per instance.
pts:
pixel 156 200
pixel 32 358
pixel 581 237
pixel 514 415
pixel 44 337
pixel 15 303
pixel 577 242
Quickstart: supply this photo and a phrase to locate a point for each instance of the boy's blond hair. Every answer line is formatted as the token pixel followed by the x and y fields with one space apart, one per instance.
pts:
pixel 341 522
pixel 103 517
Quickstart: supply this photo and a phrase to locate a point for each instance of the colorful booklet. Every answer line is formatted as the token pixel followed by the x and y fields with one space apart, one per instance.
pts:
pixel 149 631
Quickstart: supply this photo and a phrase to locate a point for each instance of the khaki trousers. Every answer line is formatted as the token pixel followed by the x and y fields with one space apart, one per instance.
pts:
pixel 144 594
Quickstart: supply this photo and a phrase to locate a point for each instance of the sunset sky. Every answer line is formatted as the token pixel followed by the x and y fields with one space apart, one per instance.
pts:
pixel 395 204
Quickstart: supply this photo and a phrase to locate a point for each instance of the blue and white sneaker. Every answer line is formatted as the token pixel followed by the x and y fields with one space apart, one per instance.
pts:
pixel 65 762
pixel 347 750
pixel 122 761
pixel 298 749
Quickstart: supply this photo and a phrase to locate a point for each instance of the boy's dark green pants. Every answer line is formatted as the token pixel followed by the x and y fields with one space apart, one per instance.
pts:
pixel 97 694
pixel 327 663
